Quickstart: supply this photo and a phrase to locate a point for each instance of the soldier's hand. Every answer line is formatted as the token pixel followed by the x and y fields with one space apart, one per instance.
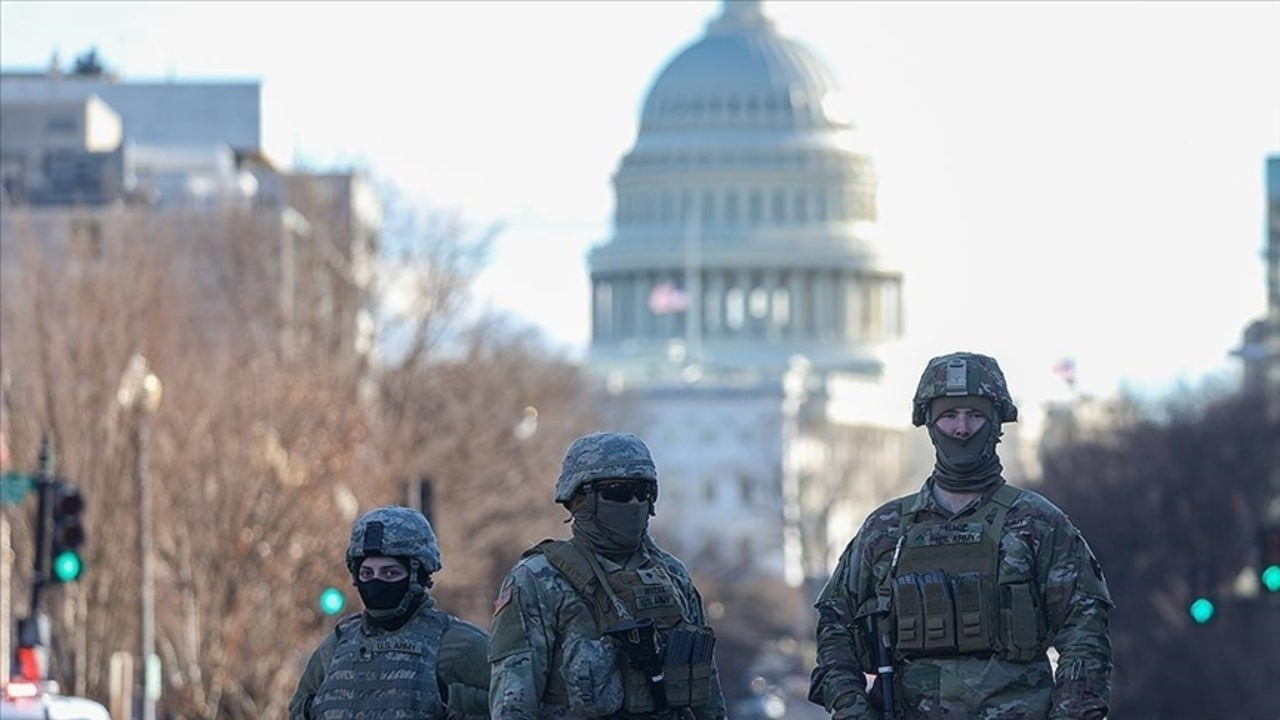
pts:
pixel 854 705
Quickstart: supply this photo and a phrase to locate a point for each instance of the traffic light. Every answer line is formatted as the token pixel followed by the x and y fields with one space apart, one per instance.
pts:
pixel 1202 610
pixel 332 601
pixel 68 532
pixel 1269 558
pixel 1203 606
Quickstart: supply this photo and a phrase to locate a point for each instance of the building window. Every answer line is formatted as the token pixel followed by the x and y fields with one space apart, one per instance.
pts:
pixel 759 303
pixel 731 207
pixel 604 309
pixel 755 207
pixel 734 311
pixel 711 310
pixel 872 310
pixel 855 323
pixel 802 207
pixel 892 327
pixel 781 307
pixel 778 211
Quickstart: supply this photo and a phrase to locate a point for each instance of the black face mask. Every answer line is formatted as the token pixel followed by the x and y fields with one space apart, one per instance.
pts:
pixel 382 595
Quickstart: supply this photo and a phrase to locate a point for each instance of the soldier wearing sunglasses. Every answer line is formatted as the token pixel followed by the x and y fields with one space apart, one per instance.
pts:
pixel 605 623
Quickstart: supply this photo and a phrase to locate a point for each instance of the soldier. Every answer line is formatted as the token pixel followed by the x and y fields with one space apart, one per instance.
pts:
pixel 400 658
pixel 605 623
pixel 956 593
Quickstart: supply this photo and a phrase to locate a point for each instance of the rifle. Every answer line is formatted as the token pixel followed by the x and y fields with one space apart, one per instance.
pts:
pixel 884 668
pixel 638 639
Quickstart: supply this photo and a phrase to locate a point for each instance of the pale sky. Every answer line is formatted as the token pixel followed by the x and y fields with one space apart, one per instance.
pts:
pixel 1079 179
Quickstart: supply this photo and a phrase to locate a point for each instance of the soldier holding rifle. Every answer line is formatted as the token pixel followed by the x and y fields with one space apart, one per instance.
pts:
pixel 954 595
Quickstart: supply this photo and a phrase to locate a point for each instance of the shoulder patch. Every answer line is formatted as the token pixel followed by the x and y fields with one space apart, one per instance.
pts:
pixel 504 598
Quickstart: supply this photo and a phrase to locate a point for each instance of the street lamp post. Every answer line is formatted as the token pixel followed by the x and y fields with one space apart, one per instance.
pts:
pixel 140 393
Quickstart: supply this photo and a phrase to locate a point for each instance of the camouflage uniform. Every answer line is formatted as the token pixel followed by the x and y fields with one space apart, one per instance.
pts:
pixel 1043 565
pixel 433 665
pixel 548 658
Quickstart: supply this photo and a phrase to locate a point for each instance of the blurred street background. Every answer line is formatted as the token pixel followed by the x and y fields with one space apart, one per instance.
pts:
pixel 264 266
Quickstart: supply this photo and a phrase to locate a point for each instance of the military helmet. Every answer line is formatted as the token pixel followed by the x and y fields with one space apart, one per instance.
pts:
pixel 601 456
pixel 394 531
pixel 963 374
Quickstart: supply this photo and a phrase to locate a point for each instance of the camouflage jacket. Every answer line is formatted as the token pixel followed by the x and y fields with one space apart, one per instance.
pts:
pixel 462 669
pixel 1038 545
pixel 538 613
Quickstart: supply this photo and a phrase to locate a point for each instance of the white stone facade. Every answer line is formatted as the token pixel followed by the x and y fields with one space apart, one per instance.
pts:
pixel 745 310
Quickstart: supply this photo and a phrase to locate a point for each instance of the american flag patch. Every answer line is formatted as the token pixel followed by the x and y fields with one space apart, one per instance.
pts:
pixel 504 597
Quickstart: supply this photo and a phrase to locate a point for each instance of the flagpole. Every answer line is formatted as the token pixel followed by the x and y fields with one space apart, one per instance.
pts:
pixel 693 284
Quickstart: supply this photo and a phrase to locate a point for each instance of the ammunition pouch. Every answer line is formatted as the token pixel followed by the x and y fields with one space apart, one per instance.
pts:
pixel 936 615
pixel 975 614
pixel 686 666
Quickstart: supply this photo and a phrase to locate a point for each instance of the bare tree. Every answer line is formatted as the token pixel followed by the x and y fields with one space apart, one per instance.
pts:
pixel 267 442
pixel 1169 498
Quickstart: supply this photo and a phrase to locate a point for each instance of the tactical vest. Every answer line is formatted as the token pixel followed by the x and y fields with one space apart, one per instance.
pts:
pixel 386 676
pixel 947 596
pixel 643 593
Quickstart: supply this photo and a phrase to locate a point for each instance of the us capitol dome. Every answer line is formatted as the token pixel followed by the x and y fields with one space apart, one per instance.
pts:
pixel 745 218
pixel 744 313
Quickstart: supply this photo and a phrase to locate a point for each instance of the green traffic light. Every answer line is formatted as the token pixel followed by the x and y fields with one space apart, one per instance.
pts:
pixel 1201 610
pixel 67 566
pixel 332 601
pixel 1271 578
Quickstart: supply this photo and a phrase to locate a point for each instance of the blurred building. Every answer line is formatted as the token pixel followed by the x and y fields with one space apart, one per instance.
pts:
pixel 85 155
pixel 745 312
pixel 1260 349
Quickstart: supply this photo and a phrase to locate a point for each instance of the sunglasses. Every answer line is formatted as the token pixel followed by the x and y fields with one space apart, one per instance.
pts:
pixel 626 491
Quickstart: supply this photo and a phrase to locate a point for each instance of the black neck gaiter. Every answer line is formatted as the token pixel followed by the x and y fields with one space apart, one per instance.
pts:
pixel 967 466
pixel 611 528
pixel 389 605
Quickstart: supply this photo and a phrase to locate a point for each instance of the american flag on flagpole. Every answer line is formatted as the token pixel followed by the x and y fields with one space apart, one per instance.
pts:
pixel 666 298
pixel 1066 369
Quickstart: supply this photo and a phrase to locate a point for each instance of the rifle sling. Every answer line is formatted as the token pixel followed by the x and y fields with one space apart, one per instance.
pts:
pixel 618 606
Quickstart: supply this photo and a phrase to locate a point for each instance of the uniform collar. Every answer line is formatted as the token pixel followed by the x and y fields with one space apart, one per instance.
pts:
pixel 924 500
